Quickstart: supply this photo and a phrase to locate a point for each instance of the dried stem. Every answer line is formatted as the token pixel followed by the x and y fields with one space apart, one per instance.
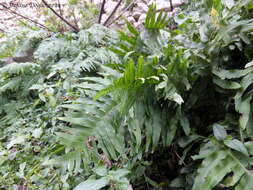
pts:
pixel 113 12
pixel 62 18
pixel 24 17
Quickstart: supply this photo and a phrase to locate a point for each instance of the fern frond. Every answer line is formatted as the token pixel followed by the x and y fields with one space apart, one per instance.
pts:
pixel 145 43
pixel 19 68
pixel 12 85
pixel 90 118
pixel 130 79
pixel 153 21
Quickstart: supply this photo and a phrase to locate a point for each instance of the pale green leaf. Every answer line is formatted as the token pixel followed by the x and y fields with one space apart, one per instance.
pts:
pixel 236 145
pixel 226 84
pixel 219 132
pixel 92 184
pixel 16 140
pixel 249 64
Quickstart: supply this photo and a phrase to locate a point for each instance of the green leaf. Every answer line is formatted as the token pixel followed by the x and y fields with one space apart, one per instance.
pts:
pixel 131 28
pixel 219 132
pixel 243 106
pixel 249 146
pixel 153 21
pixel 185 141
pixel 249 64
pixel 215 168
pixel 212 171
pixel 52 101
pixel 185 124
pixel 101 171
pixel 246 183
pixel 16 140
pixel 226 84
pixel 176 97
pixel 93 184
pixel 231 74
pixel 236 145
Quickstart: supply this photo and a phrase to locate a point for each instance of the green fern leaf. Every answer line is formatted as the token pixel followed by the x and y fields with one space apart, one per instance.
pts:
pixel 153 21
pixel 217 165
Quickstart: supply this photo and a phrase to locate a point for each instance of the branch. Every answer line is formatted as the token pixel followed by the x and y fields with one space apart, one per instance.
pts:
pixel 101 12
pixel 123 12
pixel 63 19
pixel 171 6
pixel 112 13
pixel 24 17
pixel 61 12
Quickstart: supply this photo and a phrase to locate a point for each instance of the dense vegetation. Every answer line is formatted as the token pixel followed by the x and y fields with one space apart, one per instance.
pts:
pixel 152 109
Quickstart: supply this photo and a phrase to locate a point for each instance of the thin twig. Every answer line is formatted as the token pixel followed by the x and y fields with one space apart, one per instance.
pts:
pixel 122 13
pixel 101 12
pixel 113 12
pixel 63 19
pixel 24 17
